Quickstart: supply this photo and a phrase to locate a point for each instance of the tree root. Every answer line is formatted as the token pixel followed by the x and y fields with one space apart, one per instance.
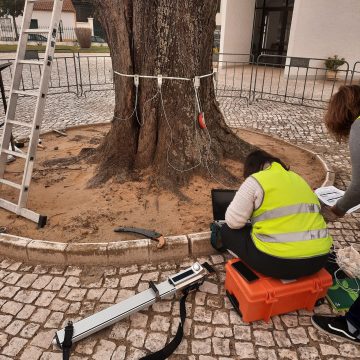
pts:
pixel 85 154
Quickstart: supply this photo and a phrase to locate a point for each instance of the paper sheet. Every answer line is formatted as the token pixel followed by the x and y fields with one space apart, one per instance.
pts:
pixel 329 195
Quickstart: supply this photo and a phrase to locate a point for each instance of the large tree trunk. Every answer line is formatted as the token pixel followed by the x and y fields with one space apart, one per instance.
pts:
pixel 171 38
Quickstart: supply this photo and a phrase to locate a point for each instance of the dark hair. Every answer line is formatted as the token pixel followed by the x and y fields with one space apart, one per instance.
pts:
pixel 343 110
pixel 255 161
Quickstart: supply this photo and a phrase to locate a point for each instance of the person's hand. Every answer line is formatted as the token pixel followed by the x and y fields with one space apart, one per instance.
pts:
pixel 337 211
pixel 328 213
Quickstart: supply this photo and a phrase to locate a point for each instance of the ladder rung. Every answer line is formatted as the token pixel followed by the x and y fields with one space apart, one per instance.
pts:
pixel 10 183
pixel 36 31
pixel 31 62
pixel 31 215
pixel 26 93
pixel 20 123
pixel 15 153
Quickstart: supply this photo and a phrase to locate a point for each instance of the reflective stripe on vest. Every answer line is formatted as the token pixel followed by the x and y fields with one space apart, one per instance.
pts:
pixel 294 237
pixel 288 223
pixel 287 210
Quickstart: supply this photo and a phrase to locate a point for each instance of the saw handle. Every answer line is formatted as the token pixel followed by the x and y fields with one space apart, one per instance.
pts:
pixel 153 235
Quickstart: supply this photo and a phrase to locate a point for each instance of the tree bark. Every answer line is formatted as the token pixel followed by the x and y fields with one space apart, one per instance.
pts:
pixel 160 129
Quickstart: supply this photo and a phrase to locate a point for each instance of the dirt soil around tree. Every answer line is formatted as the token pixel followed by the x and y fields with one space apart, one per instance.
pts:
pixel 77 213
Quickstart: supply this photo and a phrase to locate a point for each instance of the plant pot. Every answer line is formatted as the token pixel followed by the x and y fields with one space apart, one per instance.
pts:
pixel 331 75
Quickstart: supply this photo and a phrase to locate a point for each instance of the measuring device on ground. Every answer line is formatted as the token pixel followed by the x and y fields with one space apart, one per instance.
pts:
pixel 186 281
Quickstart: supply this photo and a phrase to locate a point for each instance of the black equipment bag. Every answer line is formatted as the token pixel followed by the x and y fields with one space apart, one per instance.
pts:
pixel 215 239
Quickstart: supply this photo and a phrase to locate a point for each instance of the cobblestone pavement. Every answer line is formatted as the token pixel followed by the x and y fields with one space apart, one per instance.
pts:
pixel 66 110
pixel 37 300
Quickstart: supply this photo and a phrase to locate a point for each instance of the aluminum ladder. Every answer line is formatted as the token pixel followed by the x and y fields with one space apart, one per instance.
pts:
pixel 40 95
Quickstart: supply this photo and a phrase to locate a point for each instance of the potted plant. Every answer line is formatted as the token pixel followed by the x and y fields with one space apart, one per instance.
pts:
pixel 332 64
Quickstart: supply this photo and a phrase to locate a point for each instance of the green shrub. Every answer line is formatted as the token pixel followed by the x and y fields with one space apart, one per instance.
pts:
pixel 83 35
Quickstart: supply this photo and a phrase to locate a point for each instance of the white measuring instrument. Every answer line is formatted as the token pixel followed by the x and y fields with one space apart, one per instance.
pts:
pixel 189 279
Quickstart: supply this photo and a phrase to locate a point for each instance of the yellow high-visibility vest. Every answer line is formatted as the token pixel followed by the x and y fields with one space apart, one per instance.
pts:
pixel 288 223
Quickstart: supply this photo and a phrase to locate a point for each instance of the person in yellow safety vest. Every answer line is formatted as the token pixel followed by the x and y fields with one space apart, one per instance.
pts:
pixel 288 237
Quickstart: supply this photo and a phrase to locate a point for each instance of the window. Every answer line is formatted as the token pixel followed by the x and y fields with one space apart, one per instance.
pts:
pixel 34 24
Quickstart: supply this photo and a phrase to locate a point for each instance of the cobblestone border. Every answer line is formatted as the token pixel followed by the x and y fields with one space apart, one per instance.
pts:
pixel 122 252
pixel 112 253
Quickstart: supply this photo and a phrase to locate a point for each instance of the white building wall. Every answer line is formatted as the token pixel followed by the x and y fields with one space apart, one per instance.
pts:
pixel 323 28
pixel 44 18
pixel 236 27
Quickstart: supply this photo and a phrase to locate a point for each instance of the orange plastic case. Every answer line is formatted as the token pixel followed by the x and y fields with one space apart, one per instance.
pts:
pixel 267 296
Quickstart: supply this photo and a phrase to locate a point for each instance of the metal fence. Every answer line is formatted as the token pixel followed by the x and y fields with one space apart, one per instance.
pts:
pixel 302 81
pixel 234 75
pixel 355 74
pixel 294 80
pixel 95 73
pixel 64 34
pixel 71 73
pixel 8 33
pixel 64 75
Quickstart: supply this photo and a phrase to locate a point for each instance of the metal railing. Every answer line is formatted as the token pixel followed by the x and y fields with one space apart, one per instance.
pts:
pixel 293 80
pixel 95 73
pixel 296 80
pixel 355 74
pixel 64 75
pixel 234 75
pixel 66 34
pixel 8 33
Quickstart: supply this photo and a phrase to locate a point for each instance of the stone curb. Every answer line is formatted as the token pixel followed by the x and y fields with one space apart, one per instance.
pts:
pixel 121 252
pixel 129 252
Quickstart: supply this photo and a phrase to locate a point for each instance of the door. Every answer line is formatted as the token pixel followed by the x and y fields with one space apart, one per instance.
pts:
pixel 271 30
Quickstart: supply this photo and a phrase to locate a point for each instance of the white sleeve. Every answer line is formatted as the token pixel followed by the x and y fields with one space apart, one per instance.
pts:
pixel 246 200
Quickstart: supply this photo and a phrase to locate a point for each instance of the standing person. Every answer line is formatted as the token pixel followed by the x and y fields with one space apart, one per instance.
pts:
pixel 342 119
pixel 288 237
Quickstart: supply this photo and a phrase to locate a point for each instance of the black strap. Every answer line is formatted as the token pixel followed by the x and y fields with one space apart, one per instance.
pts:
pixel 175 342
pixel 208 267
pixel 67 344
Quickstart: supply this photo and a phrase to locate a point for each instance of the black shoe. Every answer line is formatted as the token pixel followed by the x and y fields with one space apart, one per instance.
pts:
pixel 335 326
